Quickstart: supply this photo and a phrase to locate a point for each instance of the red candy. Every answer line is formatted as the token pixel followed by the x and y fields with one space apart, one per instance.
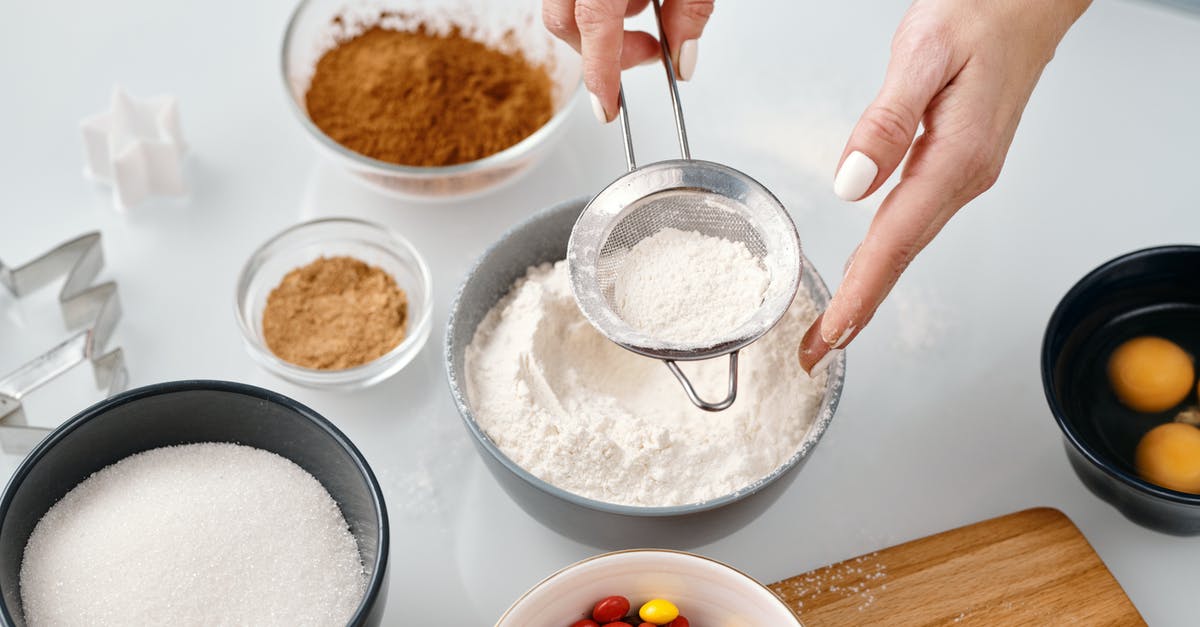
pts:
pixel 585 622
pixel 678 622
pixel 609 610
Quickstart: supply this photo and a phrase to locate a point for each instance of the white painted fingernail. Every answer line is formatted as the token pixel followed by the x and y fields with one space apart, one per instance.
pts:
pixel 855 176
pixel 825 361
pixel 850 261
pixel 841 341
pixel 598 109
pixel 687 59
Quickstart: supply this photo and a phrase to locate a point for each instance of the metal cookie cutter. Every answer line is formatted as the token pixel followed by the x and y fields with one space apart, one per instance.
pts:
pixel 94 307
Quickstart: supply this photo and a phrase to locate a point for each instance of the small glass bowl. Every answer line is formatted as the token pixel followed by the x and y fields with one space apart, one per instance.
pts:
pixel 303 244
pixel 514 22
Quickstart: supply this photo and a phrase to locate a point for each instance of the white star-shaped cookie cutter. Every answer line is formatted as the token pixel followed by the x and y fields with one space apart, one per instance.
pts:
pixel 136 147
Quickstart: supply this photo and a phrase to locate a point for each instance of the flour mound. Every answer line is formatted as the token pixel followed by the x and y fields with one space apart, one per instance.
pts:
pixel 590 417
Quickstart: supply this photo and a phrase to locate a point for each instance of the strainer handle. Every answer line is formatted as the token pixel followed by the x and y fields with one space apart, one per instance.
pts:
pixel 669 66
pixel 730 396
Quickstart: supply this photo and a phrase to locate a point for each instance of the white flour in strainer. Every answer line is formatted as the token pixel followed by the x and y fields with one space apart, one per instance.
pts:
pixel 592 418
pixel 683 286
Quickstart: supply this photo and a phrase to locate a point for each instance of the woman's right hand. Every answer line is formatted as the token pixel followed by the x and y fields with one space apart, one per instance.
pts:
pixel 596 28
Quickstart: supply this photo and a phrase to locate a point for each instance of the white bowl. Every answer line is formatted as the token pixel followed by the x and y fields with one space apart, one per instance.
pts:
pixel 707 592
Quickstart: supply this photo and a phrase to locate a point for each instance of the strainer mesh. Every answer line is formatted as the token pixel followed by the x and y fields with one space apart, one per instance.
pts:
pixel 683 209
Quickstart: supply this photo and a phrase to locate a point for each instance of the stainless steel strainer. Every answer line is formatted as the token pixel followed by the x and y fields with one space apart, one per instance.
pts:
pixel 689 195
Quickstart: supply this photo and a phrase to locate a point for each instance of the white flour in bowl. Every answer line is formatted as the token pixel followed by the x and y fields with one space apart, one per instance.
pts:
pixel 592 418
pixel 683 286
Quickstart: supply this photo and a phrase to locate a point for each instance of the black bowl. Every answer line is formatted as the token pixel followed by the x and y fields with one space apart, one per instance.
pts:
pixel 184 412
pixel 1155 291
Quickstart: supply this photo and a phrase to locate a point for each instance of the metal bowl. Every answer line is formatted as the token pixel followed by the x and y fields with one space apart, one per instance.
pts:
pixel 184 412
pixel 543 238
pixel 1103 307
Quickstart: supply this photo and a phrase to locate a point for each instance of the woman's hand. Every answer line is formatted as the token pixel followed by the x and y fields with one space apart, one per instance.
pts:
pixel 596 28
pixel 963 69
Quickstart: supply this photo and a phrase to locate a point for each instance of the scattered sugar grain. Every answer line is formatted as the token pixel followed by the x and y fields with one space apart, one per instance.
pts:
pixel 199 534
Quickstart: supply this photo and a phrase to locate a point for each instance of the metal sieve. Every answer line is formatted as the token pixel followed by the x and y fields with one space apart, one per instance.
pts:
pixel 689 195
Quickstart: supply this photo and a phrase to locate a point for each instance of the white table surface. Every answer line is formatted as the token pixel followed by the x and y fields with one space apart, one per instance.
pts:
pixel 943 422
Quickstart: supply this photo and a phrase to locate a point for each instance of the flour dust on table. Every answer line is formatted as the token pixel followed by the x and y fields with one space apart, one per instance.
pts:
pixel 687 287
pixel 595 419
pixel 200 534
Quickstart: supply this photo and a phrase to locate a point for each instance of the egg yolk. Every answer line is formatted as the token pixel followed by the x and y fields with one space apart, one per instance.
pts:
pixel 1150 374
pixel 1169 456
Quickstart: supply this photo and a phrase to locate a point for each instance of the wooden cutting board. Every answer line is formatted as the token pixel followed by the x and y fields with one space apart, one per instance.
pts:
pixel 1028 568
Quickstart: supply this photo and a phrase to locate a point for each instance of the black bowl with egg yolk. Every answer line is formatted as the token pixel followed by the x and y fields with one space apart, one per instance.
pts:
pixel 1155 291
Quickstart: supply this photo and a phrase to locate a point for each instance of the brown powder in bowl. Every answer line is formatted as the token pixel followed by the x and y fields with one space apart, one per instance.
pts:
pixel 335 313
pixel 422 99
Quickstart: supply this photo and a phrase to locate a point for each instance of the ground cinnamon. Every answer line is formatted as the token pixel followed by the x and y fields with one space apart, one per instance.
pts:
pixel 335 313
pixel 423 99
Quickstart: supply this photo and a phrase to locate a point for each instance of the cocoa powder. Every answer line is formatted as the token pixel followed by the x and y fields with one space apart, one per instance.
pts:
pixel 423 99
pixel 335 313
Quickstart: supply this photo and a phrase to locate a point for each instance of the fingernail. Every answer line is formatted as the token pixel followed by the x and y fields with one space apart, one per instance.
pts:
pixel 841 341
pixel 598 109
pixel 825 361
pixel 687 59
pixel 850 261
pixel 855 176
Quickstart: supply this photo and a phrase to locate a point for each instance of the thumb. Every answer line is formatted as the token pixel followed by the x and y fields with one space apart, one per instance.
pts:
pixel 885 132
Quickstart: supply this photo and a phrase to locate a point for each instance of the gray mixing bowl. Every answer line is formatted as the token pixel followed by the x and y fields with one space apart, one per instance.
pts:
pixel 543 238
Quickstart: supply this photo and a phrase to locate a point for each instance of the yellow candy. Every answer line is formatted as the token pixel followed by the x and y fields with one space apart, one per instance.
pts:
pixel 658 612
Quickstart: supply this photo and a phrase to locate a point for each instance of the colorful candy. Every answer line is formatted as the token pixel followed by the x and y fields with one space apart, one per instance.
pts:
pixel 610 609
pixel 614 611
pixel 658 612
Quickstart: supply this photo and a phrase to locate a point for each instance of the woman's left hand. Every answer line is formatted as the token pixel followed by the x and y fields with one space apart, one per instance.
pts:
pixel 965 70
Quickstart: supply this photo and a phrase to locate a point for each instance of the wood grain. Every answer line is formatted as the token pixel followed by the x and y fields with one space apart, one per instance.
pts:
pixel 1028 568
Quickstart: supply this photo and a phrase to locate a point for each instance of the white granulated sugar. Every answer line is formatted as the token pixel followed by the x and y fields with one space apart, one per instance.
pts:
pixel 201 534
pixel 590 417
pixel 683 286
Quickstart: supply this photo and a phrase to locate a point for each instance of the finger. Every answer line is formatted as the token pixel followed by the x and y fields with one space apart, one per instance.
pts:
pixel 559 18
pixel 638 47
pixel 939 179
pixel 601 34
pixel 920 67
pixel 683 22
